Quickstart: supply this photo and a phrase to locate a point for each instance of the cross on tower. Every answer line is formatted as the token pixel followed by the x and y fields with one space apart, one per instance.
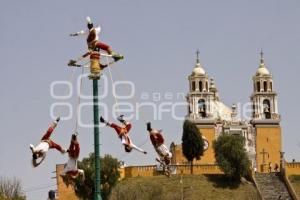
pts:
pixel 264 152
pixel 261 56
pixel 197 54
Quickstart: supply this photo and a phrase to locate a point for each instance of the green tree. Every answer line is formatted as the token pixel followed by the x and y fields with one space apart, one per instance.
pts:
pixel 109 176
pixel 11 189
pixel 192 142
pixel 231 155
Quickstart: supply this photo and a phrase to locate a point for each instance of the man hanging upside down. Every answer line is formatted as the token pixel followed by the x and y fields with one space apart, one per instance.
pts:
pixel 94 47
pixel 46 143
pixel 70 168
pixel 157 141
pixel 123 132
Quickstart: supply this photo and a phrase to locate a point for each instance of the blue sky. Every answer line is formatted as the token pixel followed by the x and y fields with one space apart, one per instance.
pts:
pixel 159 40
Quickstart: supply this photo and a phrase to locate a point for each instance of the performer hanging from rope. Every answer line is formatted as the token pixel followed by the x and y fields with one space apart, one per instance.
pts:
pixel 123 132
pixel 94 47
pixel 70 168
pixel 46 143
pixel 157 141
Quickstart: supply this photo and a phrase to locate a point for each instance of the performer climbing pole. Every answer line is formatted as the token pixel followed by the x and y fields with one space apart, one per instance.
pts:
pixel 94 48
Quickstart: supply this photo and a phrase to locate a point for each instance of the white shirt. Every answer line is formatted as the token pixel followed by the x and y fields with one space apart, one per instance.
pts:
pixel 42 147
pixel 86 32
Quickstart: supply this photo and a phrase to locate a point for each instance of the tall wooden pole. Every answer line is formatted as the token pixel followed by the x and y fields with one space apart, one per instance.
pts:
pixel 96 141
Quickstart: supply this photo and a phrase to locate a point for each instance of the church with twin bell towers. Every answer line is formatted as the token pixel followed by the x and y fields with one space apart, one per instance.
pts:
pixel 262 132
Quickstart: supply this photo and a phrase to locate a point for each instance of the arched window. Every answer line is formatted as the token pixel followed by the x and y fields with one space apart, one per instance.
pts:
pixel 206 86
pixel 271 86
pixel 265 86
pixel 202 108
pixel 200 86
pixel 193 86
pixel 258 86
pixel 267 109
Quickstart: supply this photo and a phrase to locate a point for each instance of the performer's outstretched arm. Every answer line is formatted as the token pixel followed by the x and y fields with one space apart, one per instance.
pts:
pixel 35 163
pixel 79 33
pixel 137 148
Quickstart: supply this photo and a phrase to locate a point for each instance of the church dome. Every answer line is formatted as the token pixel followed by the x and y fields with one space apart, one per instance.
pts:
pixel 262 71
pixel 198 70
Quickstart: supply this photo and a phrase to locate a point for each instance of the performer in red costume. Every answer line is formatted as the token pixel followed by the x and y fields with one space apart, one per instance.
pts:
pixel 157 141
pixel 70 168
pixel 94 47
pixel 46 143
pixel 123 132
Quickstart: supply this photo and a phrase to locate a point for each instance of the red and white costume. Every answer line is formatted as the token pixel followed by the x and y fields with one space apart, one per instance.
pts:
pixel 46 143
pixel 71 166
pixel 157 141
pixel 123 135
pixel 92 39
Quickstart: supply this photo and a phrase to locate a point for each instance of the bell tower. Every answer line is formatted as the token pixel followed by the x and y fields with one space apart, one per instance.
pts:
pixel 265 119
pixel 264 98
pixel 201 101
pixel 199 96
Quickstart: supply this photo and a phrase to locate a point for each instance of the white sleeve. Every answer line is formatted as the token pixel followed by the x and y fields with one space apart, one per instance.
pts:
pixel 82 32
pixel 136 148
pixel 98 29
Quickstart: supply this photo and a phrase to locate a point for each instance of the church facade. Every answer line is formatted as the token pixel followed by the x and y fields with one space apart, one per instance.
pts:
pixel 262 132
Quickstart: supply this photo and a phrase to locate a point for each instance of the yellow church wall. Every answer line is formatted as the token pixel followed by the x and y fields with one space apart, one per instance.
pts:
pixel 63 191
pixel 150 170
pixel 292 168
pixel 208 155
pixel 268 138
pixel 145 171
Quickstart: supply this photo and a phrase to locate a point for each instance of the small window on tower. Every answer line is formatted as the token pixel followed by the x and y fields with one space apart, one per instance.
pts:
pixel 271 86
pixel 266 109
pixel 258 86
pixel 193 86
pixel 265 86
pixel 200 86
pixel 202 108
pixel 206 86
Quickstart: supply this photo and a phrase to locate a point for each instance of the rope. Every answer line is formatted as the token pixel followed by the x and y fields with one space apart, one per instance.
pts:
pixel 144 142
pixel 134 99
pixel 112 81
pixel 78 102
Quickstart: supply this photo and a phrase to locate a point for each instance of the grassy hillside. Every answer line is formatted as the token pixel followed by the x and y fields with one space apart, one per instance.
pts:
pixel 295 180
pixel 196 187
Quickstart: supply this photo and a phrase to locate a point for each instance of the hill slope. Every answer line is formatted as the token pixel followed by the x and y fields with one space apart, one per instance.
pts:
pixel 295 180
pixel 197 187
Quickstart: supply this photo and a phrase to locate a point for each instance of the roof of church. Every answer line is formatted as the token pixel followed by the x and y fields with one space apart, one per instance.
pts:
pixel 221 111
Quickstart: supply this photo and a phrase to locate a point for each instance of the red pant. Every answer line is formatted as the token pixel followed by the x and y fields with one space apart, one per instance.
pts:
pixel 103 46
pixel 99 45
pixel 121 130
pixel 52 145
